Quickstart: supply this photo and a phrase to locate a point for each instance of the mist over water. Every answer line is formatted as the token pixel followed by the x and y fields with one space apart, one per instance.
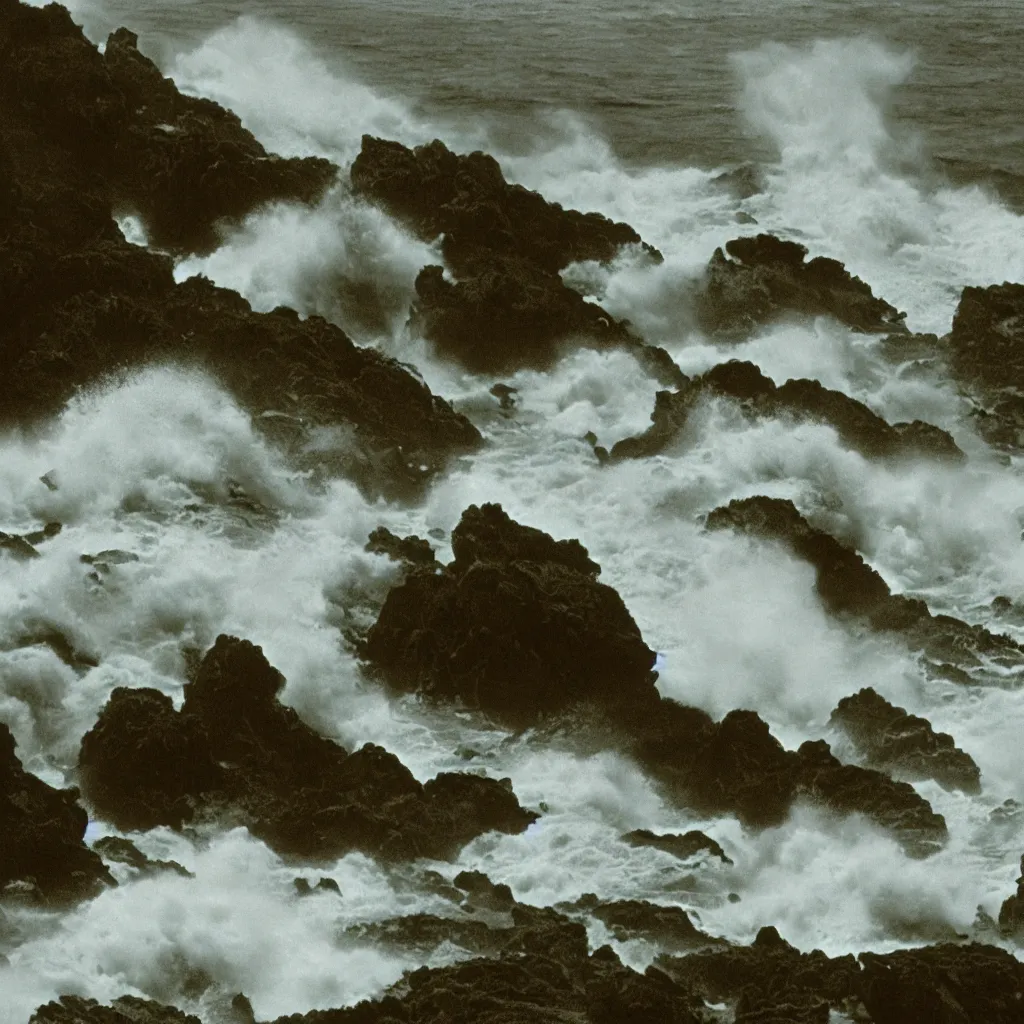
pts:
pixel 227 536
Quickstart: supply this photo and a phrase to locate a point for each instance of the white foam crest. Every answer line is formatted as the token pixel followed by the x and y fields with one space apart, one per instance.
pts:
pixel 162 937
pixel 342 259
pixel 145 440
pixel 849 189
pixel 288 96
pixel 844 885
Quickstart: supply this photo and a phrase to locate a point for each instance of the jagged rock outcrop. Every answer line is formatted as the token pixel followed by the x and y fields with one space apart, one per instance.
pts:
pixel 410 551
pixel 539 986
pixel 670 928
pixel 986 347
pixel 81 304
pixel 517 626
pixel 126 1010
pixel 43 857
pixel 943 984
pixel 767 279
pixel 848 586
pixel 118 850
pixel 507 307
pixel 857 426
pixel 769 980
pixel 736 766
pixel 1011 913
pixel 904 744
pixel 182 162
pixel 235 752
pixel 690 844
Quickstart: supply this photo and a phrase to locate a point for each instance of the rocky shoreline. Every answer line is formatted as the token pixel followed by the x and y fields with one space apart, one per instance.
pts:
pixel 516 628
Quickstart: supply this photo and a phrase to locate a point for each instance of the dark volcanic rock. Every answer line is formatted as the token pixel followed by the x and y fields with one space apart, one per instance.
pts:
pixel 737 766
pixel 857 426
pixel 126 1010
pixel 182 162
pixel 517 626
pixel 943 984
pixel 466 199
pixel 987 357
pixel 847 585
pixel 770 980
pixel 1011 913
pixel 526 988
pixel 683 846
pixel 81 305
pixel 116 850
pixel 904 744
pixel 767 279
pixel 668 927
pixel 411 551
pixel 234 750
pixel 507 307
pixel 42 852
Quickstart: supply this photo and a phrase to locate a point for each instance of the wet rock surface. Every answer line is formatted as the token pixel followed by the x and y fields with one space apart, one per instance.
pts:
pixel 848 586
pixel 182 162
pixel 506 308
pixel 858 427
pixel 987 357
pixel 690 844
pixel 1011 913
pixel 83 134
pixel 43 857
pixel 235 753
pixel 903 744
pixel 764 279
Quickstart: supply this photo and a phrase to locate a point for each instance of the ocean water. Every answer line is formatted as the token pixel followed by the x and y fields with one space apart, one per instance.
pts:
pixel 889 136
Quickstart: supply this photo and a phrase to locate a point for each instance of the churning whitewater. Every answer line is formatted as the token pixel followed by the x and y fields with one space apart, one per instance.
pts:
pixel 188 511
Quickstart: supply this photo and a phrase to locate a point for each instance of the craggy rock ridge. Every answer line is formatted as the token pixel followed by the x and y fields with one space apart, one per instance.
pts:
pixel 82 305
pixel 767 279
pixel 507 307
pixel 551 978
pixel 518 627
pixel 857 426
pixel 770 982
pixel 987 357
pixel 235 752
pixel 691 844
pixel 42 853
pixel 903 744
pixel 126 1010
pixel 182 163
pixel 848 586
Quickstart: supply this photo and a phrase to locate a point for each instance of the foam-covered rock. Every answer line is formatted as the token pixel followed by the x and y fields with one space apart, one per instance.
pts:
pixel 848 586
pixel 764 279
pixel 235 752
pixel 858 427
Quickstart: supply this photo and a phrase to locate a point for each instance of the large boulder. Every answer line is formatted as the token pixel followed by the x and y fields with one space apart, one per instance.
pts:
pixel 858 427
pixel 848 586
pixel 764 279
pixel 235 752
pixel 42 853
pixel 906 745
pixel 517 626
